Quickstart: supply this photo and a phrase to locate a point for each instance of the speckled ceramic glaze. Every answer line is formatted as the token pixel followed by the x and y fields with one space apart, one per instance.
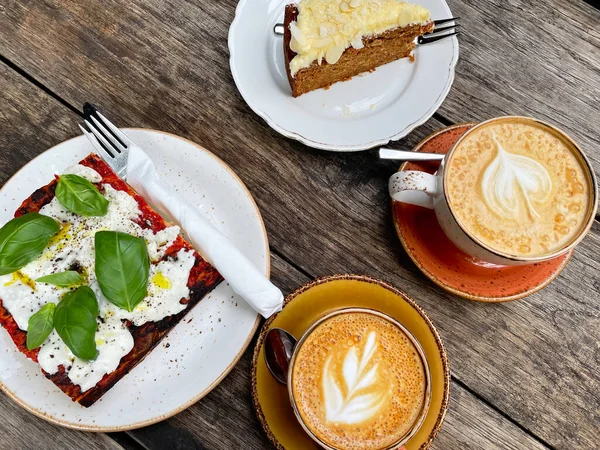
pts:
pixel 448 266
pixel 200 350
pixel 311 302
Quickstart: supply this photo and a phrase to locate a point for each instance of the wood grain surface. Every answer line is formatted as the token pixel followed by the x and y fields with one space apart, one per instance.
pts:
pixel 525 373
pixel 530 58
pixel 22 430
pixel 229 405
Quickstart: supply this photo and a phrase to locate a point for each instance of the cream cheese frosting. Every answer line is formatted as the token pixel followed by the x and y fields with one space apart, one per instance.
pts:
pixel 326 28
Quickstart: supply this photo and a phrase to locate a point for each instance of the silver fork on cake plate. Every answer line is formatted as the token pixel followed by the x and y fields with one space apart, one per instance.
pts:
pixel 435 35
pixel 132 164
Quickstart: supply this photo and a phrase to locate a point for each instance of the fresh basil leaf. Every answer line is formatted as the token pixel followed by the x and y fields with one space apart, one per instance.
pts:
pixel 24 239
pixel 75 322
pixel 40 326
pixel 122 268
pixel 63 279
pixel 80 196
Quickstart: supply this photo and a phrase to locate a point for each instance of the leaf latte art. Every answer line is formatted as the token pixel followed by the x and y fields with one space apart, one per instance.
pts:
pixel 361 400
pixel 514 181
pixel 358 382
pixel 518 187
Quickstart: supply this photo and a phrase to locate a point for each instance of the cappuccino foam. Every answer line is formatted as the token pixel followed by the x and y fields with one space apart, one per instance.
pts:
pixel 358 382
pixel 519 188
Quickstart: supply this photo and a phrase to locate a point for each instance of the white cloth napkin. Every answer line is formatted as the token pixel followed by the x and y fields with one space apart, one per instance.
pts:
pixel 243 277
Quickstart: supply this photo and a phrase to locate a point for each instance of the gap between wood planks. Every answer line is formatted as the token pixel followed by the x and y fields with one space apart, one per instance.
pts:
pixel 126 440
pixel 594 3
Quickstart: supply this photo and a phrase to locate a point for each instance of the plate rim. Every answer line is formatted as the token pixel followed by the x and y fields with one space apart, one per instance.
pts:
pixel 226 371
pixel 367 279
pixel 339 148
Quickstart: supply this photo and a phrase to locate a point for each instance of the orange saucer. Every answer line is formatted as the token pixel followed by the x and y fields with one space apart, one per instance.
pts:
pixel 447 266
pixel 312 301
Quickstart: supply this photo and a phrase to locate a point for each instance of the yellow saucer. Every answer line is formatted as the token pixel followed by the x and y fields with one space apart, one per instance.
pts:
pixel 313 300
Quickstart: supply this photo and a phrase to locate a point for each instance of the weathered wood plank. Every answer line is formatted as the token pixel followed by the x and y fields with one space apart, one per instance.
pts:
pixel 530 58
pixel 535 359
pixel 225 418
pixel 530 358
pixel 31 122
pixel 486 429
pixel 469 423
pixel 20 430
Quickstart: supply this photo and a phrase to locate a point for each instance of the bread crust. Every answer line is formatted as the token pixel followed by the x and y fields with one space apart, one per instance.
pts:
pixel 377 50
pixel 203 278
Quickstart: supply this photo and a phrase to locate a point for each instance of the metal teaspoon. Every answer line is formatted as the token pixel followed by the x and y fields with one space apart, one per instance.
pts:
pixel 279 346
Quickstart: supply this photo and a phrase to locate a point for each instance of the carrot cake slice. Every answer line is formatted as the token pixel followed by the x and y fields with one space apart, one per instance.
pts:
pixel 326 41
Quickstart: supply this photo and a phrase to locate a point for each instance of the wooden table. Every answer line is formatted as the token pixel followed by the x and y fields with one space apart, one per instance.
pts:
pixel 524 374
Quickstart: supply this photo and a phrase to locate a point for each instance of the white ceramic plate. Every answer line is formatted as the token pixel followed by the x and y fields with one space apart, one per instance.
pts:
pixel 200 350
pixel 366 111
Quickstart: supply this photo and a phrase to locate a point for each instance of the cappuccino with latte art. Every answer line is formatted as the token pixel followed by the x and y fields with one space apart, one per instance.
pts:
pixel 519 187
pixel 359 382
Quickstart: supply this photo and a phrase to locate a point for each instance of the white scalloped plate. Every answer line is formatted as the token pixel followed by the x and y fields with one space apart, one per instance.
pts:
pixel 367 111
pixel 197 354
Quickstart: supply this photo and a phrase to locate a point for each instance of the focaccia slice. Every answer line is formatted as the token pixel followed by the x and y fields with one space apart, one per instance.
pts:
pixel 202 279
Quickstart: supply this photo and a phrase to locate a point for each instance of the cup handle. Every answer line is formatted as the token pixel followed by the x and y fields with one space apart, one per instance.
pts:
pixel 415 187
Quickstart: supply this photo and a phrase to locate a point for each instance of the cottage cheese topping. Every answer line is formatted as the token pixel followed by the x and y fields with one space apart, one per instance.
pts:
pixel 73 247
pixel 325 28
pixel 113 341
pixel 84 172
pixel 163 297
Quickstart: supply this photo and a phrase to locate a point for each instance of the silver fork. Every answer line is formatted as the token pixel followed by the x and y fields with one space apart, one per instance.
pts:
pixel 241 274
pixel 110 142
pixel 428 38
